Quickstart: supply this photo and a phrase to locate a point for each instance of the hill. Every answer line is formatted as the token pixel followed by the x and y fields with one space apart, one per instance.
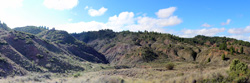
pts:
pixel 31 29
pixel 122 57
pixel 130 48
pixel 22 53
pixel 69 43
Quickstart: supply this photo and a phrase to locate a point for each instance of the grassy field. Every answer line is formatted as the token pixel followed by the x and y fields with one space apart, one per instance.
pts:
pixel 144 73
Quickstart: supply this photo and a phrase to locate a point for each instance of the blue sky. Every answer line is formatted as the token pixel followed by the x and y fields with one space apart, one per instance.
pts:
pixel 185 18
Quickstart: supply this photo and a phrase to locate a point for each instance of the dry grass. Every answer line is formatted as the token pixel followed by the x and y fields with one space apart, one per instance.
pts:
pixel 182 73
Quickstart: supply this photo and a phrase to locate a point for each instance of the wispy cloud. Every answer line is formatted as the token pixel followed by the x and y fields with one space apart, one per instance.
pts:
pixel 164 13
pixel 86 7
pixel 204 31
pixel 226 23
pixel 206 25
pixel 239 30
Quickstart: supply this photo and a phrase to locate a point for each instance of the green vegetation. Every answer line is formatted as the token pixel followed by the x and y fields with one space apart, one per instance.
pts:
pixel 170 66
pixel 29 41
pixel 223 46
pixel 77 75
pixel 208 60
pixel 2 42
pixel 31 29
pixel 2 59
pixel 231 50
pixel 241 50
pixel 39 56
pixel 3 26
pixel 223 57
pixel 58 36
pixel 239 72
pixel 147 54
pixel 91 35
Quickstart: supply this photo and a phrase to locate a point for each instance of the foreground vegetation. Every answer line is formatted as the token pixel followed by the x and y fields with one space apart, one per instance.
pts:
pixel 237 72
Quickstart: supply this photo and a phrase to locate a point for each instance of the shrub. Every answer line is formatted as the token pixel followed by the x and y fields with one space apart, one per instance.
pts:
pixel 2 59
pixel 231 50
pixel 223 57
pixel 48 65
pixel 29 41
pixel 16 38
pixel 39 56
pixel 3 43
pixel 77 75
pixel 241 49
pixel 208 60
pixel 239 72
pixel 170 66
pixel 223 46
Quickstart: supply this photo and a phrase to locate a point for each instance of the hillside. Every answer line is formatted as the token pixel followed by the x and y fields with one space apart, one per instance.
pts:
pixel 120 57
pixel 73 46
pixel 21 53
pixel 31 29
pixel 130 48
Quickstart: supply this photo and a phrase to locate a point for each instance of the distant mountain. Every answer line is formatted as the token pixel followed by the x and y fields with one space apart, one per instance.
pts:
pixel 131 48
pixel 31 29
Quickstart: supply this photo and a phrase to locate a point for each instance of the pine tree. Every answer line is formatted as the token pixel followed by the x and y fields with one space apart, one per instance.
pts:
pixel 231 50
pixel 223 46
pixel 241 49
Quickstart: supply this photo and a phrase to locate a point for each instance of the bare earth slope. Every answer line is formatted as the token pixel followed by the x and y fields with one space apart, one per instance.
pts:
pixel 21 53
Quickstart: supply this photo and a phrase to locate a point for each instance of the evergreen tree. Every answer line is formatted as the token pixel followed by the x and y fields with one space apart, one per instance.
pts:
pixel 223 46
pixel 241 49
pixel 231 50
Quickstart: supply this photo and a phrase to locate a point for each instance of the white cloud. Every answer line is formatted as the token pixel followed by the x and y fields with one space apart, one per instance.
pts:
pixel 205 25
pixel 239 30
pixel 81 26
pixel 153 24
pixel 240 37
pixel 124 21
pixel 86 7
pixel 205 31
pixel 164 13
pixel 60 4
pixel 227 23
pixel 10 4
pixel 93 12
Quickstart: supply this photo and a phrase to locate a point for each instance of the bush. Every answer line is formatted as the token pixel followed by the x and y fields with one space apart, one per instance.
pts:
pixel 2 59
pixel 77 75
pixel 223 57
pixel 241 49
pixel 29 41
pixel 208 60
pixel 170 66
pixel 39 56
pixel 239 72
